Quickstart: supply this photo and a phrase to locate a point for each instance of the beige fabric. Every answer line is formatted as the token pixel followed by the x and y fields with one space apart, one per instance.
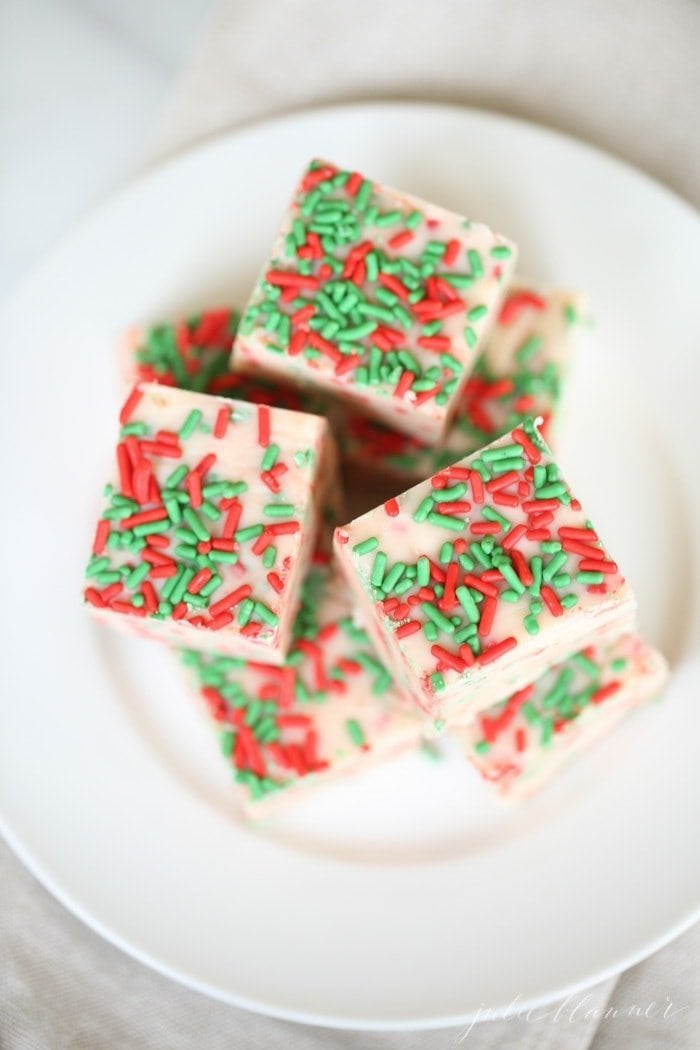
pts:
pixel 623 75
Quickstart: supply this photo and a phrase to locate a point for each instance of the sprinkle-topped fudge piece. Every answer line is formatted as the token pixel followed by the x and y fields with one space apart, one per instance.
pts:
pixel 519 374
pixel 519 743
pixel 378 297
pixel 191 353
pixel 478 579
pixel 331 708
pixel 194 353
pixel 209 521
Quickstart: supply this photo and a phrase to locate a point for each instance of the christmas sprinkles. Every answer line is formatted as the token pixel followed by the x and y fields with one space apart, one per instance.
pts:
pixel 204 525
pixel 329 706
pixel 501 550
pixel 518 375
pixel 375 295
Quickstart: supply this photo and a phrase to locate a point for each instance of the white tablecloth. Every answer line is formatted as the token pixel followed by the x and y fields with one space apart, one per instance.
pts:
pixel 624 75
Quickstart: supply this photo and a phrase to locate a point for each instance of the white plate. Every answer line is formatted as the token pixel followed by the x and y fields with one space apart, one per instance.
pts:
pixel 408 897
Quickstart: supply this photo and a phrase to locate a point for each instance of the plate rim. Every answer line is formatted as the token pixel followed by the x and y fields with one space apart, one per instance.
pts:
pixel 152 171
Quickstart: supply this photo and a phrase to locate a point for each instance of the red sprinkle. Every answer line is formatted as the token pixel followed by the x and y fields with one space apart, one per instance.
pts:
pixel 551 601
pixel 605 692
pixel 531 451
pixel 477 486
pixel 263 425
pixel 497 649
pixel 513 536
pixel 275 582
pixel 404 384
pixel 394 285
pixel 223 417
pixel 408 628
pixel 400 240
pixel 226 603
pixel 129 405
pixel 607 567
pixel 194 487
pixel 144 517
pixel 484 528
pixel 292 280
pixel 518 302
pixel 101 536
pixel 447 658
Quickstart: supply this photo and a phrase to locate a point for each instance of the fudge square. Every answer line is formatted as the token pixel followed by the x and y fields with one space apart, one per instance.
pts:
pixel 209 521
pixel 380 298
pixel 519 374
pixel 331 709
pixel 518 744
pixel 478 579
pixel 193 353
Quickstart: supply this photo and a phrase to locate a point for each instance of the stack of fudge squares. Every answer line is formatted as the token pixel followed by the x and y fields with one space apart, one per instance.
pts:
pixel 389 340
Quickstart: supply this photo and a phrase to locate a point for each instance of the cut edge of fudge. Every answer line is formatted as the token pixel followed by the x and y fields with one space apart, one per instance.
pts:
pixel 456 599
pixel 498 383
pixel 329 711
pixel 520 743
pixel 175 556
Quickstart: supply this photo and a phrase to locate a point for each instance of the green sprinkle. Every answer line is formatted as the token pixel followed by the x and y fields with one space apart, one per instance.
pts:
pixel 490 514
pixel 365 546
pixel 271 456
pixel 138 575
pixel 150 527
pixel 554 565
pixel 438 618
pixel 465 599
pixel 502 452
pixel 446 552
pixel 355 732
pixel 393 576
pixel 475 263
pixel 528 349
pixel 531 625
pixel 177 477
pixel 424 509
pixel 278 510
pixel 590 577
pixel 190 425
pixel 269 556
pixel 195 523
pixel 508 573
pixel 266 615
pixel 378 569
pixel 451 494
pixel 224 557
pixel 251 532
pixel 446 521
pixel 423 571
pixel 585 664
pixel 183 582
pixel 553 491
